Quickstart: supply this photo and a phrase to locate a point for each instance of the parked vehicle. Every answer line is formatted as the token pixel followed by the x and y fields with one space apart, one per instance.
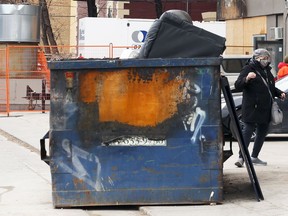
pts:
pixel 231 66
pixel 282 84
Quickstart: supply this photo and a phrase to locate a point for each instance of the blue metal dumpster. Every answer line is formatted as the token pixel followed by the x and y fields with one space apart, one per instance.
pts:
pixel 136 132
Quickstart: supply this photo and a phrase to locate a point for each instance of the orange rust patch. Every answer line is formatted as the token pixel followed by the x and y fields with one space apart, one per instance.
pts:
pixel 126 98
pixel 88 87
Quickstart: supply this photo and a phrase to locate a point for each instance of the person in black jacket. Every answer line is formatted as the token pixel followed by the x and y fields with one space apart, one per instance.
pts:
pixel 256 101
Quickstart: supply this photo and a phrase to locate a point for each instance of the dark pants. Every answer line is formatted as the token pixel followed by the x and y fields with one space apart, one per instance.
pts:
pixel 261 132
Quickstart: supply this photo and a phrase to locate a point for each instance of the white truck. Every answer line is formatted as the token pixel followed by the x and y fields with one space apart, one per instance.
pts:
pixel 110 37
pixel 102 32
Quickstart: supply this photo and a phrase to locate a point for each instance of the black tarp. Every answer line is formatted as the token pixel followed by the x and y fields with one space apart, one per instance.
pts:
pixel 175 36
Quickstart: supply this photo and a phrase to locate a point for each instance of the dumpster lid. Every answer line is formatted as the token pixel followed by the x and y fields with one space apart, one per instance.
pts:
pixel 124 63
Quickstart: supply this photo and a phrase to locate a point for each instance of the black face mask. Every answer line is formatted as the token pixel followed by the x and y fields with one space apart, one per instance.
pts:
pixel 264 63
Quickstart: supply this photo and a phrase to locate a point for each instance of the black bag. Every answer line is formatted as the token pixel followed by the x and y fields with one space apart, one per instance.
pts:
pixel 175 36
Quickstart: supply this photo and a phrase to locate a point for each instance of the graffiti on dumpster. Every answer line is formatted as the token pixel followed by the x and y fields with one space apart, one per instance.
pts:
pixel 194 120
pixel 78 170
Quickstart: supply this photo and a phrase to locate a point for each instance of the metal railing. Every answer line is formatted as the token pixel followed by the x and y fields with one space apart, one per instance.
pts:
pixel 24 70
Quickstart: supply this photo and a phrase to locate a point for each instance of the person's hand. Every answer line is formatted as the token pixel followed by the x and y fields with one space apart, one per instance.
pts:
pixel 251 75
pixel 283 96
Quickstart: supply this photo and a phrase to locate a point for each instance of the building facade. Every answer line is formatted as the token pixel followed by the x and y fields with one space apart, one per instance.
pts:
pixel 253 24
pixel 146 9
pixel 254 20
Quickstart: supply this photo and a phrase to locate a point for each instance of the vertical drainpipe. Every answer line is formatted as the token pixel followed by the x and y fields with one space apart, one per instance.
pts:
pixel 285 47
pixel 7 81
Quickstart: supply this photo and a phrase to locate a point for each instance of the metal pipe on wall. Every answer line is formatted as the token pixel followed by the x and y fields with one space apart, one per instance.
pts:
pixel 285 47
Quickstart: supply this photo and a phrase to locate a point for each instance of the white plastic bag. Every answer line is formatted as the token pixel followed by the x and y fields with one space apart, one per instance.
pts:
pixel 276 114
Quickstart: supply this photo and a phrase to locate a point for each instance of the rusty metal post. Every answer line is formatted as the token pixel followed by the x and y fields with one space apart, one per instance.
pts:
pixel 111 50
pixel 43 96
pixel 7 82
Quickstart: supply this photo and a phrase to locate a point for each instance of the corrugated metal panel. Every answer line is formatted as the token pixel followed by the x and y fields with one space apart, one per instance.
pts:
pixel 19 23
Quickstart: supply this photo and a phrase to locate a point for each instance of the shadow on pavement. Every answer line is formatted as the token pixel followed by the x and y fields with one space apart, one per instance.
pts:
pixel 237 186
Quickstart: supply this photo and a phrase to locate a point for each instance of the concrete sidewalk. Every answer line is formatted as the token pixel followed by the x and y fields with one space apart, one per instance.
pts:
pixel 28 127
pixel 25 181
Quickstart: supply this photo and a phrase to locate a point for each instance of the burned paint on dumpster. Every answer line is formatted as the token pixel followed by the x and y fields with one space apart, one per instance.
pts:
pixel 135 132
pixel 150 99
